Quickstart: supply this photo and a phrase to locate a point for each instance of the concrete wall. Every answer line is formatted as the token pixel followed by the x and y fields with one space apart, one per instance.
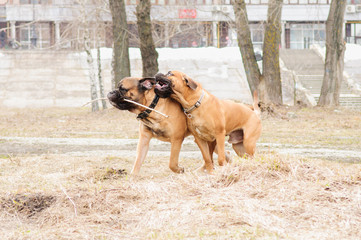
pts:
pixel 60 79
pixel 42 79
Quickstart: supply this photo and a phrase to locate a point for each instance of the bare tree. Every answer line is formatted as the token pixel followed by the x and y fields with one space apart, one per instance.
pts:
pixel 121 62
pixel 147 47
pixel 99 62
pixel 90 60
pixel 271 64
pixel 84 34
pixel 335 50
pixel 268 83
pixel 246 46
pixel 100 79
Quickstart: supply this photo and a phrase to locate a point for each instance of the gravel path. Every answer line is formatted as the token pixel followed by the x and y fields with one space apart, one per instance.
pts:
pixel 127 148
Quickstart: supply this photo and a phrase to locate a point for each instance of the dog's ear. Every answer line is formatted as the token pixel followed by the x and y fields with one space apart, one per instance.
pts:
pixel 147 83
pixel 190 83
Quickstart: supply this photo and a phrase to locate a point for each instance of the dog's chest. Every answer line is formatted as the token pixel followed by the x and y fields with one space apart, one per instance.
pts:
pixel 157 129
pixel 200 129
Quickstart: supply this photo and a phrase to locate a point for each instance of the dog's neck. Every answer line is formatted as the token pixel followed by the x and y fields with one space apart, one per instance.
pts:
pixel 192 96
pixel 145 100
pixel 148 97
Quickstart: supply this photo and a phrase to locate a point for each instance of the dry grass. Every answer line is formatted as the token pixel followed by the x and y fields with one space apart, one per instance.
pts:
pixel 273 196
pixel 325 127
pixel 68 122
pixel 268 197
pixel 340 128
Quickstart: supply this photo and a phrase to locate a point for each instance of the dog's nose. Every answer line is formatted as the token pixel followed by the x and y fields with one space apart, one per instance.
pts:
pixel 113 95
pixel 159 76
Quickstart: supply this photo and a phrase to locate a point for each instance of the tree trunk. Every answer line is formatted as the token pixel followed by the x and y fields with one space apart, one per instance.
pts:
pixel 147 47
pixel 90 61
pixel 99 62
pixel 268 83
pixel 87 48
pixel 120 62
pixel 246 46
pixel 271 55
pixel 335 49
pixel 100 79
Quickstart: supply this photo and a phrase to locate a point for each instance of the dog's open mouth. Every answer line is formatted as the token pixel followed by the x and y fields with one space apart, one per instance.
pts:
pixel 162 82
pixel 163 86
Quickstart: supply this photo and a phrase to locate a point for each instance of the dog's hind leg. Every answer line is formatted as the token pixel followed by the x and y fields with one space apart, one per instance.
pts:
pixel 239 149
pixel 245 148
pixel 227 153
pixel 250 139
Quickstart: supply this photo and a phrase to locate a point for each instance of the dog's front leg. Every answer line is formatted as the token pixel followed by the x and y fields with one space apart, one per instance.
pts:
pixel 176 146
pixel 203 146
pixel 212 149
pixel 142 149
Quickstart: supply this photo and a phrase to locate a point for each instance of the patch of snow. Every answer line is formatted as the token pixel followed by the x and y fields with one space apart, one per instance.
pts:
pixel 208 53
pixel 353 51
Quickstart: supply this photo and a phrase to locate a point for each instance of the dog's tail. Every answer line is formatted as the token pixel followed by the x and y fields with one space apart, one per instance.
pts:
pixel 256 108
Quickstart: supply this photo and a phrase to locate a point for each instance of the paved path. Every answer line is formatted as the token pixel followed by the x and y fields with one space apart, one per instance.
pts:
pixel 127 148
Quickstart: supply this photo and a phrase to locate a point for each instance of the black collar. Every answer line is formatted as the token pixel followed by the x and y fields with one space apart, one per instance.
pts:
pixel 146 113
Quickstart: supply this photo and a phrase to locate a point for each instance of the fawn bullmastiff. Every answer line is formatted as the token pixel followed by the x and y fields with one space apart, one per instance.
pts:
pixel 210 119
pixel 171 129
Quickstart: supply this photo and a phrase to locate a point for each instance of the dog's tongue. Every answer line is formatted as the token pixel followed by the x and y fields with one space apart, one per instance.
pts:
pixel 158 86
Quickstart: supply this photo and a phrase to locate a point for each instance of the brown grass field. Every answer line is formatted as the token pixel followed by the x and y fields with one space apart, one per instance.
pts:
pixel 49 195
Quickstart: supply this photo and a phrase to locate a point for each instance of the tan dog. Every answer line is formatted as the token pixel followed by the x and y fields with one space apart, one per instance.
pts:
pixel 172 129
pixel 210 119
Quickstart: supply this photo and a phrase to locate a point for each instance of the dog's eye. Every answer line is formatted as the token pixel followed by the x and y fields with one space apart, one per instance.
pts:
pixel 123 90
pixel 169 74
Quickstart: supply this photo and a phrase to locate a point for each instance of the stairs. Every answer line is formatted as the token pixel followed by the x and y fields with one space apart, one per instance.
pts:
pixel 309 68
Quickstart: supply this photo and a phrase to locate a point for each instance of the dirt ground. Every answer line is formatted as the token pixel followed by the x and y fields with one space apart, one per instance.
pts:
pixel 64 175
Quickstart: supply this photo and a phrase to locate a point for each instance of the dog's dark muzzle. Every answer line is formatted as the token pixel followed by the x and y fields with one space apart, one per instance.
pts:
pixel 117 100
pixel 114 96
pixel 163 86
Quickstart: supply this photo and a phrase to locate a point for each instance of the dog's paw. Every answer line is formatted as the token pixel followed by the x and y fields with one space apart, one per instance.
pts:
pixel 177 169
pixel 228 157
pixel 205 169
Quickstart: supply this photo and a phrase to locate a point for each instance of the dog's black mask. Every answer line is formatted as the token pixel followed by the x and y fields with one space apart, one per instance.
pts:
pixel 163 86
pixel 116 98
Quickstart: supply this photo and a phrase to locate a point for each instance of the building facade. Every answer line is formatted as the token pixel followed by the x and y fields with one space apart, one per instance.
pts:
pixel 69 24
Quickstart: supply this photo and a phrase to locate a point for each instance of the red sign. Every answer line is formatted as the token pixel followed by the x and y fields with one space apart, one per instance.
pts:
pixel 187 13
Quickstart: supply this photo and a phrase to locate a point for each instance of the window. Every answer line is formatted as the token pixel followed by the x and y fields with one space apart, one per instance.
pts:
pixel 35 35
pixel 304 35
pixel 35 1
